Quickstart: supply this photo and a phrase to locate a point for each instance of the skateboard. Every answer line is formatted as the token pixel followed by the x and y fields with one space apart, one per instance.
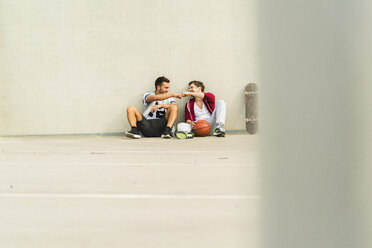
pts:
pixel 251 108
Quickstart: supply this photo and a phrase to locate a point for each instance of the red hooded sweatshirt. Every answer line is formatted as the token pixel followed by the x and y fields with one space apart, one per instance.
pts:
pixel 209 101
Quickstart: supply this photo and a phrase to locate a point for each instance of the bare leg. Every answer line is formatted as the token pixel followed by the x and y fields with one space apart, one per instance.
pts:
pixel 133 116
pixel 171 115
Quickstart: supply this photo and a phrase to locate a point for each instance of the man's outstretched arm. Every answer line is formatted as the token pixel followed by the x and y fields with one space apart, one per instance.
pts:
pixel 160 97
pixel 194 94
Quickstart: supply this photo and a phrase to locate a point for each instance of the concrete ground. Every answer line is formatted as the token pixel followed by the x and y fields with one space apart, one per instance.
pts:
pixel 111 191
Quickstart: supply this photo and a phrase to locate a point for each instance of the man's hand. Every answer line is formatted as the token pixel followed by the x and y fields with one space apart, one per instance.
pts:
pixel 179 95
pixel 155 107
pixel 192 123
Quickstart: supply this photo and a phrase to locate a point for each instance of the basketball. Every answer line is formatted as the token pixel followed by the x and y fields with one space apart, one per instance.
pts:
pixel 202 128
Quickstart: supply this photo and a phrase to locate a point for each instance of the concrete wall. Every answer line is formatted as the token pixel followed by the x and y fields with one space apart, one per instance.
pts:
pixel 315 69
pixel 74 66
pixel 363 171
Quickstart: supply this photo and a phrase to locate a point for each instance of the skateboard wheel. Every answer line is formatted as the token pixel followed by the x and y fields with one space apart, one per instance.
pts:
pixel 250 94
pixel 250 120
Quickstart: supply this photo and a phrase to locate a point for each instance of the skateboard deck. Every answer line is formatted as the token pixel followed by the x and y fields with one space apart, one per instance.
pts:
pixel 251 108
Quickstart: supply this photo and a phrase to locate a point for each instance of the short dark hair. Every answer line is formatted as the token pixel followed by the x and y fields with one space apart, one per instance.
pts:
pixel 198 84
pixel 159 81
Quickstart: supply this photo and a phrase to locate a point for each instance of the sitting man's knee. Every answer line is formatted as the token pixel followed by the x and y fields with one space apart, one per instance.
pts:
pixel 131 108
pixel 173 107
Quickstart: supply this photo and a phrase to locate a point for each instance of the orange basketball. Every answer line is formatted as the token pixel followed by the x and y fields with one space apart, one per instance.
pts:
pixel 202 128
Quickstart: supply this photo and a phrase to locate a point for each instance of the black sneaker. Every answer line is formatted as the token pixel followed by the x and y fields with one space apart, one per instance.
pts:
pixel 133 133
pixel 219 132
pixel 167 133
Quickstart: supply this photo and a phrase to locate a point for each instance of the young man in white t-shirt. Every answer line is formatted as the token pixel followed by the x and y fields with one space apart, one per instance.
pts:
pixel 202 106
pixel 160 113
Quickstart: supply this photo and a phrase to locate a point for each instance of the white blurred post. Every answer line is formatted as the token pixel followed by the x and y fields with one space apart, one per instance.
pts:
pixel 315 63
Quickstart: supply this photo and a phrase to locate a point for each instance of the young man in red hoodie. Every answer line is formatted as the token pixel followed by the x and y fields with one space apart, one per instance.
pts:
pixel 202 106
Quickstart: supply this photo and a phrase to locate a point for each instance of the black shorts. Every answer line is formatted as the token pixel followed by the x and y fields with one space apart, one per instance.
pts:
pixel 152 128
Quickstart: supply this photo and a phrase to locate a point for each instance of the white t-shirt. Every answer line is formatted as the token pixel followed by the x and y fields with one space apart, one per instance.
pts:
pixel 160 112
pixel 201 113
